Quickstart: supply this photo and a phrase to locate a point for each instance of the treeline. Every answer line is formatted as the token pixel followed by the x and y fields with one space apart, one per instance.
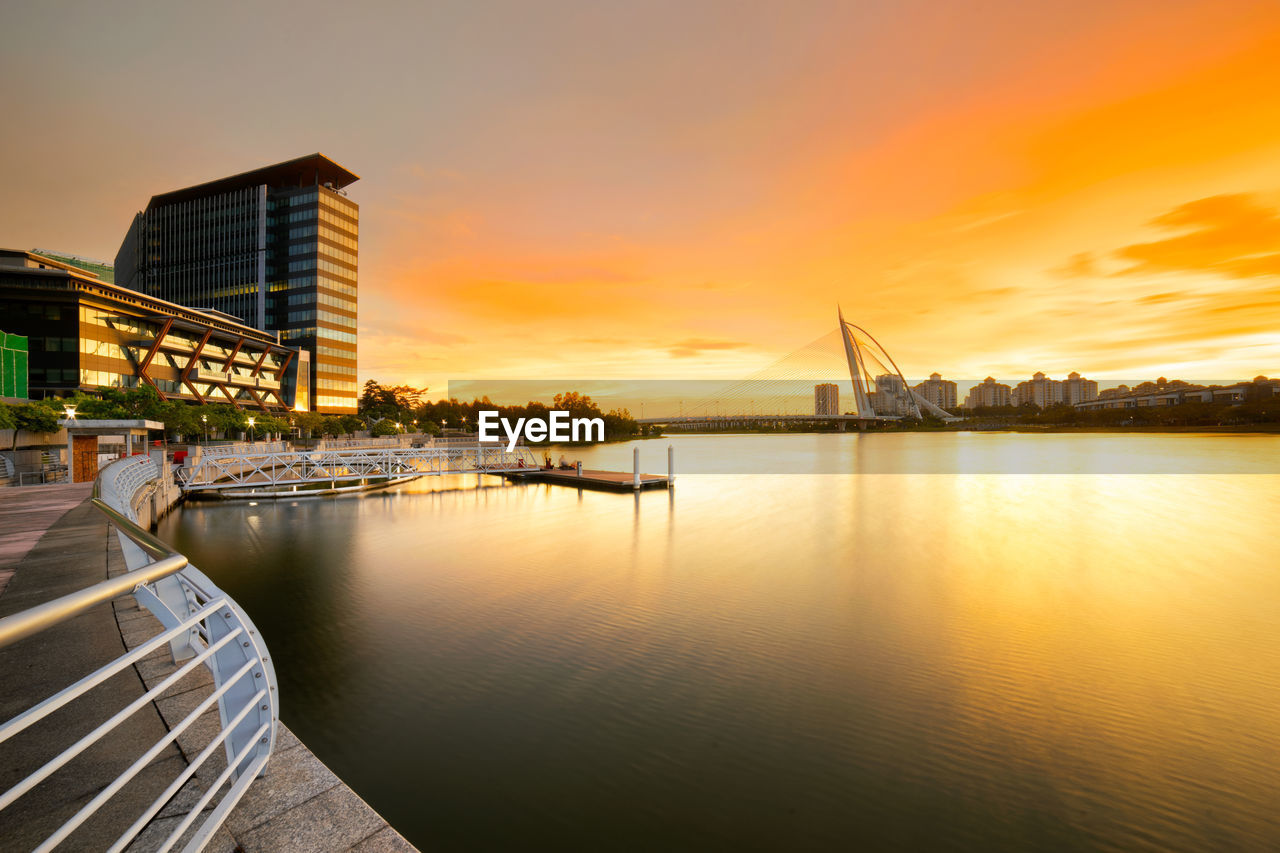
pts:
pixel 186 420
pixel 1258 411
pixel 401 408
pixel 382 410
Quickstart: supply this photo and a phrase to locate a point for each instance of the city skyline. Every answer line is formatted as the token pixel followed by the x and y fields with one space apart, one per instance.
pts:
pixel 593 192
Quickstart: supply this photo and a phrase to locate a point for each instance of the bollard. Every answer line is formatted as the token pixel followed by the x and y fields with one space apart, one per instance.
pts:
pixel 635 456
pixel 579 467
pixel 671 465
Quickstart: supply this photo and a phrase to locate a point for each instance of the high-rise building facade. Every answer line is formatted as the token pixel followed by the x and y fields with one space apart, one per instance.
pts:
pixel 826 399
pixel 275 247
pixel 941 392
pixel 1039 390
pixel 987 393
pixel 1077 389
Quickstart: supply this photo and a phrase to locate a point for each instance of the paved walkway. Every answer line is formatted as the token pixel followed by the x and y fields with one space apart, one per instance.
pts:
pixel 26 513
pixel 63 544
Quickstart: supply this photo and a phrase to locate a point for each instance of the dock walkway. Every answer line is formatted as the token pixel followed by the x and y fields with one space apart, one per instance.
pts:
pixel 614 481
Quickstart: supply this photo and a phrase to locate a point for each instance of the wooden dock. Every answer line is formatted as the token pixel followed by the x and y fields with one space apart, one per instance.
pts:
pixel 613 481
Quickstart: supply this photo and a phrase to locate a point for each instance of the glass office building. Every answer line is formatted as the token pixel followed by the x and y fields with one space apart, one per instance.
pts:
pixel 275 247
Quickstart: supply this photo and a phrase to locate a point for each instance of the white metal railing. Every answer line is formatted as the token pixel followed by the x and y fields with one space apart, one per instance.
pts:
pixel 238 448
pixel 202 627
pixel 127 482
pixel 271 470
pixel 351 443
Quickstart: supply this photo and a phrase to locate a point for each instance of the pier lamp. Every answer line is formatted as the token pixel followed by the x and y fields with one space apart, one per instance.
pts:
pixel 251 429
pixel 399 428
pixel 204 422
pixel 71 412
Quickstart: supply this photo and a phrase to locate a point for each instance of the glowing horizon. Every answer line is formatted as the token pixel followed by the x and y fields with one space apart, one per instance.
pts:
pixel 594 191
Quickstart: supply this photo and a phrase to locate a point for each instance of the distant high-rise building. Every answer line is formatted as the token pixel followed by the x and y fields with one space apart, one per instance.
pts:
pixel 941 392
pixel 826 399
pixel 986 393
pixel 275 247
pixel 891 397
pixel 1039 390
pixel 1076 389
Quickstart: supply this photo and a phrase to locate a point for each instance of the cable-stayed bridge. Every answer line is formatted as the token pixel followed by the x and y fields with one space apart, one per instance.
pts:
pixel 786 393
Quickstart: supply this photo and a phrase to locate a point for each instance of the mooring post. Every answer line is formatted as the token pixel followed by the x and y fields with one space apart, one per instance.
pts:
pixel 671 465
pixel 635 456
pixel 579 467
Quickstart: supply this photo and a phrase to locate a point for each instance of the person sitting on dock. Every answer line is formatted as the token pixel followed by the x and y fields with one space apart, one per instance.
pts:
pixel 564 463
pixel 547 459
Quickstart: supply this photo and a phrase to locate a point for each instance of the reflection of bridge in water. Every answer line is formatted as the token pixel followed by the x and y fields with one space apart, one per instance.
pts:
pixel 878 391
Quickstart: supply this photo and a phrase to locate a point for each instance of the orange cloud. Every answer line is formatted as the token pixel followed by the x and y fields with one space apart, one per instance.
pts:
pixel 1232 235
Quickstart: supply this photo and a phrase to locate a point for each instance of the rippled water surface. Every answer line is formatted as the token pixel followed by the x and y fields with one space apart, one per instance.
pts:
pixel 808 660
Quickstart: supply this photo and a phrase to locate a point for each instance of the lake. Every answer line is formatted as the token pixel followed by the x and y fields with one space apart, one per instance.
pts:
pixel 911 641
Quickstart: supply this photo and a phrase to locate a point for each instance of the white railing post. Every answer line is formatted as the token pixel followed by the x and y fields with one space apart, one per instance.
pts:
pixel 671 465
pixel 635 458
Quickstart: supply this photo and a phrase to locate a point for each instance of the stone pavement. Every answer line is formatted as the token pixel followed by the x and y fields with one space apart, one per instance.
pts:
pixel 26 513
pixel 64 544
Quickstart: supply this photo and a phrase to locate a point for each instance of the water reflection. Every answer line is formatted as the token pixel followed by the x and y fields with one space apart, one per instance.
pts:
pixel 913 660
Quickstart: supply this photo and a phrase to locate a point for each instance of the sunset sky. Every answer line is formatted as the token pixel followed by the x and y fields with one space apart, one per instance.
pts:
pixel 687 189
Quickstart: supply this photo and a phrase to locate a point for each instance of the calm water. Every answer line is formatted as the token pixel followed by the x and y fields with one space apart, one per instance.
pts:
pixel 804 661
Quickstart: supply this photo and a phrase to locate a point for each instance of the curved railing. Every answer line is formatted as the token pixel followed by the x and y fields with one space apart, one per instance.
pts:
pixel 202 627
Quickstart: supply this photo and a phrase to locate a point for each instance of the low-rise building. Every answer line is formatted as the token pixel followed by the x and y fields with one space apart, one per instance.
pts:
pixel 84 333
pixel 1154 395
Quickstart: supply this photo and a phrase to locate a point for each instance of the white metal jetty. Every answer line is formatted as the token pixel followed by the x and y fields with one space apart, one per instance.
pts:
pixel 272 468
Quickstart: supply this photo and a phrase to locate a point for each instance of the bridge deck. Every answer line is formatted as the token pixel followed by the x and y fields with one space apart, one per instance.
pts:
pixel 617 481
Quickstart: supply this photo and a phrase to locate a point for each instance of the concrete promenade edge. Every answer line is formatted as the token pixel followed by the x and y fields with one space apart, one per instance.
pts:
pixel 52 543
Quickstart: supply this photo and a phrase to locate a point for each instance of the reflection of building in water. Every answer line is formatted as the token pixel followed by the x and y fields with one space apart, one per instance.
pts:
pixel 938 391
pixel 988 392
pixel 826 399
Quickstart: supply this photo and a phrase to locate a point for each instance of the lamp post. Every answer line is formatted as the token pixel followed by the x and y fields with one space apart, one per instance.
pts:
pixel 251 436
pixel 70 411
pixel 204 422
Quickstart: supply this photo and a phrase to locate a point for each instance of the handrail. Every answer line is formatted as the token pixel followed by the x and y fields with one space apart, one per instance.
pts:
pixel 36 619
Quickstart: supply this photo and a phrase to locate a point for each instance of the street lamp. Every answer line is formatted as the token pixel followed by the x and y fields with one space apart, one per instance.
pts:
pixel 204 421
pixel 251 429
pixel 71 412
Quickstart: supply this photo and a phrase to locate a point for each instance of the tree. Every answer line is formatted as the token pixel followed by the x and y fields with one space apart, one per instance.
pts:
pixel 384 427
pixel 396 402
pixel 311 423
pixel 34 417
